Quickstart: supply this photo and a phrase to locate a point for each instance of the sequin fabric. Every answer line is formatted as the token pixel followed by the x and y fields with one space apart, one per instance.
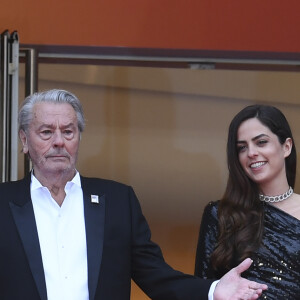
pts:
pixel 276 263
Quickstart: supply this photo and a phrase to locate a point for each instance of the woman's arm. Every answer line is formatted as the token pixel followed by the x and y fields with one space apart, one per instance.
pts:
pixel 207 241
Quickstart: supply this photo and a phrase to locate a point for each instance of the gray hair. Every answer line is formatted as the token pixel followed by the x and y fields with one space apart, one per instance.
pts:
pixel 51 96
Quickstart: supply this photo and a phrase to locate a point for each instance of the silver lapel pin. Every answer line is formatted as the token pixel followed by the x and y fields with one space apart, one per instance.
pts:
pixel 95 199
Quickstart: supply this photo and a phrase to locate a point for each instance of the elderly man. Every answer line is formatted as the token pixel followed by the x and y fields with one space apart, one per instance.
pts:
pixel 68 237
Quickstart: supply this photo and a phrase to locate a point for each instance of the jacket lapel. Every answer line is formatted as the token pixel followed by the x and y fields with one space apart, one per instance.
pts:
pixel 94 213
pixel 22 211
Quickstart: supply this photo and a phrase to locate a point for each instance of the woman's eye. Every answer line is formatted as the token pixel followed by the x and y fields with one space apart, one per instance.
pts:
pixel 241 148
pixel 262 142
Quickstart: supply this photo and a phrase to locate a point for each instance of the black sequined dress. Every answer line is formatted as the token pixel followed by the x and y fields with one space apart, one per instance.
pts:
pixel 276 263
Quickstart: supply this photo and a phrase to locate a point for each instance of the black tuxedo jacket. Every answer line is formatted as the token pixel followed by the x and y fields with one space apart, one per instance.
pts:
pixel 118 248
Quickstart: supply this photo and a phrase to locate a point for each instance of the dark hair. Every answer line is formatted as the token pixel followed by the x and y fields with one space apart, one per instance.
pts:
pixel 240 211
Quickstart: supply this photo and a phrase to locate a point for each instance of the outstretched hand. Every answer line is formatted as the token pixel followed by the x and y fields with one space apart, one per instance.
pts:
pixel 233 287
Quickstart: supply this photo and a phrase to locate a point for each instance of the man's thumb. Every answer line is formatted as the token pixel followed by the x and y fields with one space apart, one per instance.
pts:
pixel 244 265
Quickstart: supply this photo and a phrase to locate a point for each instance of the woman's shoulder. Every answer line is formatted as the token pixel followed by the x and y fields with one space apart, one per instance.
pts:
pixel 211 209
pixel 289 207
pixel 212 206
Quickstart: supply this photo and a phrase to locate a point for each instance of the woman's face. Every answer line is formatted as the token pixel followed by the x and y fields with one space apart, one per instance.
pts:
pixel 260 153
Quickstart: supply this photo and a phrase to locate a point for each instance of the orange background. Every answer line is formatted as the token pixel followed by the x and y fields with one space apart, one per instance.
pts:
pixel 256 25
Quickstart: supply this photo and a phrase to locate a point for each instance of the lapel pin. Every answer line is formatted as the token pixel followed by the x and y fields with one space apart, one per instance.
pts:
pixel 95 199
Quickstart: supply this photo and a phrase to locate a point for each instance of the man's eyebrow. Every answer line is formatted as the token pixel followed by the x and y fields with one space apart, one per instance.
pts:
pixel 46 126
pixel 71 124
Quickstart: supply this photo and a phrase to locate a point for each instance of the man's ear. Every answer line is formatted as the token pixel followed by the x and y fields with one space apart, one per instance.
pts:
pixel 288 145
pixel 23 139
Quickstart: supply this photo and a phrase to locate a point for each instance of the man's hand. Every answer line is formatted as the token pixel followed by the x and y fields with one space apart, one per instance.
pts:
pixel 233 287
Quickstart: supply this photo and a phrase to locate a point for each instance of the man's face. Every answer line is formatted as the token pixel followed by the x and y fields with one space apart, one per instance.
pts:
pixel 52 139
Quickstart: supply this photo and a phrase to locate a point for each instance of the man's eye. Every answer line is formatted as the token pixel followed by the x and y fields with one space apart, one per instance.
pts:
pixel 46 132
pixel 68 134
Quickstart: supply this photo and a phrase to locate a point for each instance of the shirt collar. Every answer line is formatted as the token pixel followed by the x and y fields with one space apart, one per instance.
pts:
pixel 35 184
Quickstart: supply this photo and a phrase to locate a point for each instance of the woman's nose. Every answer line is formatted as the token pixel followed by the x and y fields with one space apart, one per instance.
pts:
pixel 252 151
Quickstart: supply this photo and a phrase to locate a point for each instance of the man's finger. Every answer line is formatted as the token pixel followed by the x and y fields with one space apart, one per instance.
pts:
pixel 258 287
pixel 244 265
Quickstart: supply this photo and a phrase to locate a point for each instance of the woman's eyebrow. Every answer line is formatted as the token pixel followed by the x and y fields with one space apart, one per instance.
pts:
pixel 254 138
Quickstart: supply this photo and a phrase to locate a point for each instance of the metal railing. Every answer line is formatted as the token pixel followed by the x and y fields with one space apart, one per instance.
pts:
pixel 9 87
pixel 31 83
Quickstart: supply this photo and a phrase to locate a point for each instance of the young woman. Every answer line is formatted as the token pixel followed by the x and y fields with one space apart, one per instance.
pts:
pixel 259 214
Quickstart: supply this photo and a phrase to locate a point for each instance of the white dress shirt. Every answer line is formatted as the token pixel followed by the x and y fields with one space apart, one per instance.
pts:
pixel 212 290
pixel 61 231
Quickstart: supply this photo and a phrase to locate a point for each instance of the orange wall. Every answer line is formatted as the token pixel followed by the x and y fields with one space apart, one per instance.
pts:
pixel 254 25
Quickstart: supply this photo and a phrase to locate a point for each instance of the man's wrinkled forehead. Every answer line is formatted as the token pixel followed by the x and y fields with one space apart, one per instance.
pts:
pixel 52 114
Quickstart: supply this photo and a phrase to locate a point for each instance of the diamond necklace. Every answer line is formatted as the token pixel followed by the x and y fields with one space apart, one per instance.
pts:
pixel 278 198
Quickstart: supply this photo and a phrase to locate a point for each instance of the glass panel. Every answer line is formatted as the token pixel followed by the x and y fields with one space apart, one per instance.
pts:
pixel 164 132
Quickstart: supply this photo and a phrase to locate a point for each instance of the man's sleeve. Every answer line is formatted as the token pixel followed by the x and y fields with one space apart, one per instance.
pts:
pixel 149 269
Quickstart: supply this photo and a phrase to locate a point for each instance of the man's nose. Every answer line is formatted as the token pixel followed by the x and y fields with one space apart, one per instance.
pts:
pixel 58 139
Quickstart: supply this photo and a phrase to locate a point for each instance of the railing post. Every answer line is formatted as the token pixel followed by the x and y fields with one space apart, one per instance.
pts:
pixel 9 86
pixel 31 84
